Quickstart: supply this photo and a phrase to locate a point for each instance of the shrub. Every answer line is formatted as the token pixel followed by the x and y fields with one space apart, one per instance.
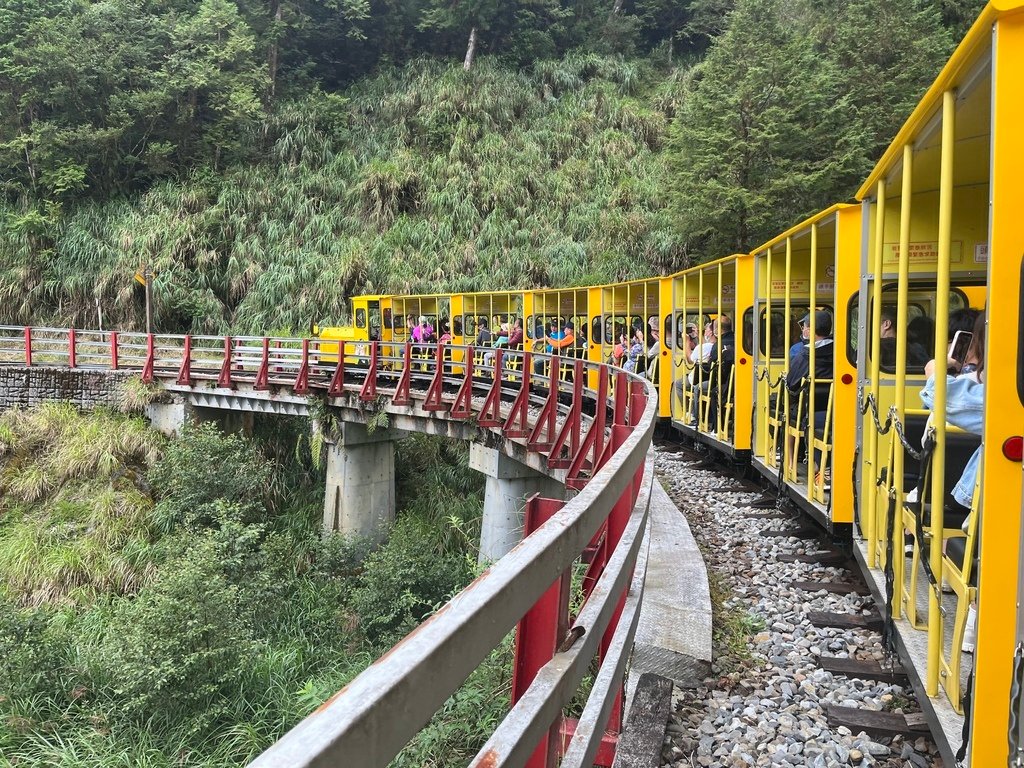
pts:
pixel 204 467
pixel 174 653
pixel 403 582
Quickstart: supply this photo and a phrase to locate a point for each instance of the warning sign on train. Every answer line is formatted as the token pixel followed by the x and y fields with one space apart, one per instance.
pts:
pixel 923 252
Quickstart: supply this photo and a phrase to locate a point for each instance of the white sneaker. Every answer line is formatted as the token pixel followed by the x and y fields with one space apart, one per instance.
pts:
pixel 970 630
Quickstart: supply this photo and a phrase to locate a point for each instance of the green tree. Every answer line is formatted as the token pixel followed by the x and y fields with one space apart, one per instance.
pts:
pixel 886 54
pixel 761 139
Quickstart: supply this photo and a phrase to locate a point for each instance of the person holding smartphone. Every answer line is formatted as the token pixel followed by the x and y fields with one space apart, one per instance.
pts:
pixel 965 408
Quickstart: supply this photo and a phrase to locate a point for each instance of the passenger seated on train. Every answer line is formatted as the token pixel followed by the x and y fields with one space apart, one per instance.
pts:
pixel 511 338
pixel 887 338
pixel 699 355
pixel 920 340
pixel 965 403
pixel 653 347
pixel 484 337
pixel 717 369
pixel 799 376
pixel 636 352
pixel 423 333
pixel 556 341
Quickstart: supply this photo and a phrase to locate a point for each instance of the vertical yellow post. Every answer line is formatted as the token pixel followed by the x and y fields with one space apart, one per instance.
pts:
pixel 997 631
pixel 699 378
pixel 906 197
pixel 871 528
pixel 789 462
pixel 812 372
pixel 766 344
pixel 684 371
pixel 941 342
pixel 720 383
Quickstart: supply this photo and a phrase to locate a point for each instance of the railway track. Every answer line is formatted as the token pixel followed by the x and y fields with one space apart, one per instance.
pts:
pixel 801 676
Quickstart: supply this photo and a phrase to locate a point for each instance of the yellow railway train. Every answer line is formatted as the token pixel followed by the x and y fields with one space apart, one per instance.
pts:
pixel 880 287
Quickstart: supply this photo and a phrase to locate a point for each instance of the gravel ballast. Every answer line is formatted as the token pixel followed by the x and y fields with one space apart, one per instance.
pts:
pixel 764 704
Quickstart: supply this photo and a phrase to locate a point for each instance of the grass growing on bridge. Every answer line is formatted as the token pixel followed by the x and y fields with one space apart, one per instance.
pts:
pixel 165 603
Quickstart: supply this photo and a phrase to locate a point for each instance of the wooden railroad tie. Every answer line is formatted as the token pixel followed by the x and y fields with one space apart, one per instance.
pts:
pixel 641 741
pixel 876 723
pixel 796 533
pixel 845 620
pixel 826 557
pixel 833 587
pixel 863 669
pixel 735 489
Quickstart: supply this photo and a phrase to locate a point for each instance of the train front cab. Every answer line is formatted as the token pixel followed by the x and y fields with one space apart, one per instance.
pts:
pixel 942 229
pixel 803 437
pixel 699 406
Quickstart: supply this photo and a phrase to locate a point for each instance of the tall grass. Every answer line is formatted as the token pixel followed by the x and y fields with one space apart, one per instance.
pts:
pixel 74 520
pixel 421 178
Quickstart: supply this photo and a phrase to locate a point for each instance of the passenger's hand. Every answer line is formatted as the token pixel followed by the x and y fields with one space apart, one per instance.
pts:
pixel 929 368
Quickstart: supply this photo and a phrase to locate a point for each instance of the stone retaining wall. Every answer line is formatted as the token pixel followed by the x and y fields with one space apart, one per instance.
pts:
pixel 23 387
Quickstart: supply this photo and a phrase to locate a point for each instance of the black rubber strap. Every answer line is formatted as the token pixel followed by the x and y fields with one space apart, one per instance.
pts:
pixel 1016 700
pixel 927 451
pixel 889 626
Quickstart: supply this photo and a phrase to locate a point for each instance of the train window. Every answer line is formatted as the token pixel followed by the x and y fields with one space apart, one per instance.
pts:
pixel 360 318
pixel 920 325
pixel 596 329
pixel 680 331
pixel 1020 338
pixel 387 318
pixel 469 325
pixel 780 344
pixel 666 334
pixel 748 331
pixel 457 326
pixel 616 325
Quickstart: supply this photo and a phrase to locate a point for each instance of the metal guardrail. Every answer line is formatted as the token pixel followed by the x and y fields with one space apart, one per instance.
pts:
pixel 605 523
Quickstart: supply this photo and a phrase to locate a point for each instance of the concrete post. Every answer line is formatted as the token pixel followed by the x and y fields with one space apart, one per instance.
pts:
pixel 171 417
pixel 360 494
pixel 509 484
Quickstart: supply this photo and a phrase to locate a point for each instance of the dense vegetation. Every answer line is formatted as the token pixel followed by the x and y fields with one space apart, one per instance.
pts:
pixel 168 603
pixel 268 160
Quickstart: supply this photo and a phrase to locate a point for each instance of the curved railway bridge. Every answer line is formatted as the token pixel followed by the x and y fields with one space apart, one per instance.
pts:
pixel 589 428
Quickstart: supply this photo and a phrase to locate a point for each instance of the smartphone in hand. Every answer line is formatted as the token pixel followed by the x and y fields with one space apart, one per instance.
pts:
pixel 958 349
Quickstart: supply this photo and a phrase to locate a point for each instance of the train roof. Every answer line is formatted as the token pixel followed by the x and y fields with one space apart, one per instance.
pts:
pixel 962 67
pixel 800 226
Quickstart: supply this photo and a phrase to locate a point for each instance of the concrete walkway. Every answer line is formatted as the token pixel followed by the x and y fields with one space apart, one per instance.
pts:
pixel 673 638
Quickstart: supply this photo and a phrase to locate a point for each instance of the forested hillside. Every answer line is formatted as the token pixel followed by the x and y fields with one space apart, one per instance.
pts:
pixel 268 160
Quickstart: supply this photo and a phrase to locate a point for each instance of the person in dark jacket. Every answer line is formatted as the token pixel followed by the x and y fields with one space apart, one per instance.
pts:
pixel 799 377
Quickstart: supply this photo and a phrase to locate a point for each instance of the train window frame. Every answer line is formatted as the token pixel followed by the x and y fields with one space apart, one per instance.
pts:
pixel 457 326
pixel 388 319
pixel 361 317
pixel 596 329
pixel 667 340
pixel 1020 337
pixel 892 286
pixel 630 322
pixel 795 307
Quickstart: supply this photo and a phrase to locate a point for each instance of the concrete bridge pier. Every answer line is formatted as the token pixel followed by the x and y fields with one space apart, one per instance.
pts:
pixel 509 483
pixel 360 494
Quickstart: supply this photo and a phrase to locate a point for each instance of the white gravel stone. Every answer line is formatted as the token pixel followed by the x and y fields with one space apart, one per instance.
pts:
pixel 765 704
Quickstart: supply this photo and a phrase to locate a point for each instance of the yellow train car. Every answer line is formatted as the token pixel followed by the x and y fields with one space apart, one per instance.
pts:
pixel 705 302
pixel 943 235
pixel 618 311
pixel 804 426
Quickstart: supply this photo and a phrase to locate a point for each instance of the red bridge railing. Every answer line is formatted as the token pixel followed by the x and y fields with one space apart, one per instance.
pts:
pixel 593 422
